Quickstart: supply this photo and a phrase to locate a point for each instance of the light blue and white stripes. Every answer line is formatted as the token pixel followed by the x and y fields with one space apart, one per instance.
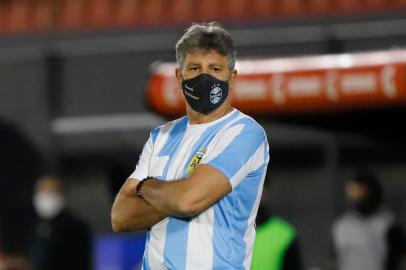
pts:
pixel 221 237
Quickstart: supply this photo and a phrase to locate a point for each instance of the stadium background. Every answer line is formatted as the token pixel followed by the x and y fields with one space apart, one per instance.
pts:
pixel 74 76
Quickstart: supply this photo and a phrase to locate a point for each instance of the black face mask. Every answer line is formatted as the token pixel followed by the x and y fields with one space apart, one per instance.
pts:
pixel 204 93
pixel 364 206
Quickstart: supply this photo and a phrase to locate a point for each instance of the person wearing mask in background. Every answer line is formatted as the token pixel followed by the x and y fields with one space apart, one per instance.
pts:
pixel 61 241
pixel 367 236
pixel 276 243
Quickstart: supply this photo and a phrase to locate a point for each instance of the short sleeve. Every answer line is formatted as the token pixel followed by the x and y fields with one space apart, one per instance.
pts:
pixel 238 151
pixel 141 170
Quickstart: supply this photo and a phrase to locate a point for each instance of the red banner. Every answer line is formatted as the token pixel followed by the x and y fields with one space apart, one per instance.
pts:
pixel 300 84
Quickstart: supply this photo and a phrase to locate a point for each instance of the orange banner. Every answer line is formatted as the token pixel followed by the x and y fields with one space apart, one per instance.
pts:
pixel 300 84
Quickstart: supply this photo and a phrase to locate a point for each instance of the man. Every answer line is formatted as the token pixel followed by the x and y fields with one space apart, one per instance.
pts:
pixel 207 168
pixel 60 240
pixel 276 243
pixel 367 236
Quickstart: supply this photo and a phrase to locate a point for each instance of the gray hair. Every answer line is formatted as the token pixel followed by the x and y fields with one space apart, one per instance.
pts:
pixel 206 36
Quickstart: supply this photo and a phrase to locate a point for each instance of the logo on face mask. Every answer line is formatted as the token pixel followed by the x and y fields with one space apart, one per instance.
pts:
pixel 215 95
pixel 186 91
pixel 188 88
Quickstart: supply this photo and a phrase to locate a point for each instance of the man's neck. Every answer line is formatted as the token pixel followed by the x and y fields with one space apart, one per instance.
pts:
pixel 200 118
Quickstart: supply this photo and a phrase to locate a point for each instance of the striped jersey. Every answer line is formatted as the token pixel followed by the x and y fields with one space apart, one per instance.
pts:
pixel 221 237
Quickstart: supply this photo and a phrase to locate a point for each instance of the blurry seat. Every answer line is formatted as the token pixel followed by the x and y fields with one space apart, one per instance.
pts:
pixel 17 17
pixel 71 14
pixel 2 17
pixel 98 13
pixel 182 11
pixel 376 4
pixel 262 8
pixel 209 10
pixel 155 12
pixel 322 7
pixel 348 6
pixel 292 7
pixel 237 9
pixel 127 13
pixel 43 16
pixel 398 3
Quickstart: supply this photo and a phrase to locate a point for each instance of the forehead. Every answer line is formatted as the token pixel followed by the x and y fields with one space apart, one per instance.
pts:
pixel 205 57
pixel 50 184
pixel 355 189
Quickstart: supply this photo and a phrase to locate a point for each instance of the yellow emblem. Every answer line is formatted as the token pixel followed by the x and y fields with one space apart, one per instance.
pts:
pixel 196 160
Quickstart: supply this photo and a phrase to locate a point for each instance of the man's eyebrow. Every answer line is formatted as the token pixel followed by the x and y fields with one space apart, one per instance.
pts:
pixel 215 65
pixel 193 64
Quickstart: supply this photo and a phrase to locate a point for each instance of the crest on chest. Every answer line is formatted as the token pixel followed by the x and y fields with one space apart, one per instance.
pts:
pixel 196 160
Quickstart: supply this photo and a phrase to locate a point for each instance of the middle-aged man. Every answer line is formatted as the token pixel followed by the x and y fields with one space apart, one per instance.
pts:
pixel 198 182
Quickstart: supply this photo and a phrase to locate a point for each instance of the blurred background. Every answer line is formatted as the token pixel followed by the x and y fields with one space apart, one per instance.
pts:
pixel 82 83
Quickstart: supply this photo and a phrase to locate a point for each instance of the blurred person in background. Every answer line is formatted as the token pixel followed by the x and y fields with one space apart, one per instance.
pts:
pixel 367 235
pixel 60 240
pixel 276 242
pixel 197 184
pixel 20 165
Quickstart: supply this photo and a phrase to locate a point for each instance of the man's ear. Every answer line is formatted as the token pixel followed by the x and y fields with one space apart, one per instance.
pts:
pixel 233 76
pixel 178 75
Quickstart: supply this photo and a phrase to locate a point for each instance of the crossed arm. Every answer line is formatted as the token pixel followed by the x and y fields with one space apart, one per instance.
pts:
pixel 181 198
pixel 130 213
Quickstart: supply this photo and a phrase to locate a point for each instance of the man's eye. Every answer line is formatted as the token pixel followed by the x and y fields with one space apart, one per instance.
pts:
pixel 217 69
pixel 193 68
